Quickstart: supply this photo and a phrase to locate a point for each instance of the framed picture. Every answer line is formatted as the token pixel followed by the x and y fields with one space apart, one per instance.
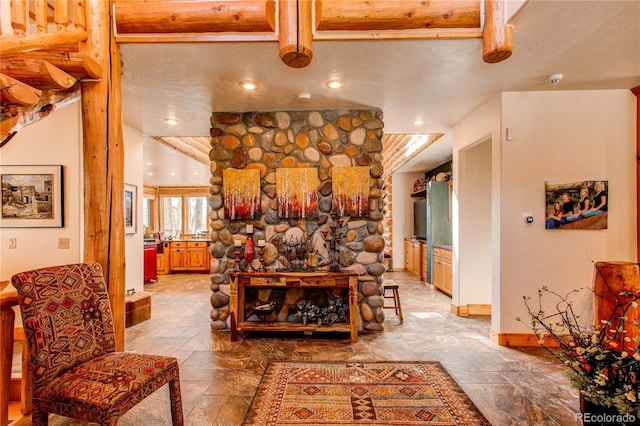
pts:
pixel 32 197
pixel 350 188
pixel 577 205
pixel 130 205
pixel 297 192
pixel 241 189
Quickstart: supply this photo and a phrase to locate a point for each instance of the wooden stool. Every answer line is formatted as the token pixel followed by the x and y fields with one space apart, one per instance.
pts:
pixel 395 295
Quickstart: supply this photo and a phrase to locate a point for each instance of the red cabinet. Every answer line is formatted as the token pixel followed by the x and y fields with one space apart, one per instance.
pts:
pixel 150 263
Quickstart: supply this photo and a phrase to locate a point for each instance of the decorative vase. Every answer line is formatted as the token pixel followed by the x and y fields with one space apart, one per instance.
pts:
pixel 249 250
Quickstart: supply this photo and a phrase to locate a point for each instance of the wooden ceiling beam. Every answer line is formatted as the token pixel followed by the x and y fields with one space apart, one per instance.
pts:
pixel 497 35
pixel 359 15
pixel 14 92
pixel 295 32
pixel 37 73
pixel 78 65
pixel 185 148
pixel 144 17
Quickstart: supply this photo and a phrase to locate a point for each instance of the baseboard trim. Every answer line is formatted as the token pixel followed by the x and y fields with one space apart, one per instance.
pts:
pixel 466 310
pixel 520 339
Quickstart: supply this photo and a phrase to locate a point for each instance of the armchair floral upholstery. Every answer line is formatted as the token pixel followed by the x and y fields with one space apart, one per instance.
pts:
pixel 76 372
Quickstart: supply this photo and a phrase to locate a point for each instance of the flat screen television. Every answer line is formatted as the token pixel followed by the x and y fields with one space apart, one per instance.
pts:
pixel 420 219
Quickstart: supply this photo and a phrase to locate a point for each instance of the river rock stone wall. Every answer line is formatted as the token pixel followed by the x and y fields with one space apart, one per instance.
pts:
pixel 267 141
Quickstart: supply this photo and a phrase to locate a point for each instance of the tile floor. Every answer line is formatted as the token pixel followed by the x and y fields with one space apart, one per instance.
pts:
pixel 511 386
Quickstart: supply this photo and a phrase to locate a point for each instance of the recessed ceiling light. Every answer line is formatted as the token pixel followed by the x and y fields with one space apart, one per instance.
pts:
pixel 149 174
pixel 418 122
pixel 248 85
pixel 173 173
pixel 334 84
pixel 149 163
pixel 171 121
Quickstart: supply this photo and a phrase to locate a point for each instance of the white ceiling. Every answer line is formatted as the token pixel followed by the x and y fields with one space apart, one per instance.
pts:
pixel 594 44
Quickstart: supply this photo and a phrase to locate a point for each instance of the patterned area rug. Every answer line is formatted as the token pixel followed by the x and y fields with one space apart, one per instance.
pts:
pixel 360 393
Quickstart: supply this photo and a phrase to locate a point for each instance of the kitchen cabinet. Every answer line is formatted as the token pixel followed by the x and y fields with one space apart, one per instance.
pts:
pixel 189 256
pixel 162 258
pixel 442 270
pixel 415 257
pixel 150 262
pixel 292 281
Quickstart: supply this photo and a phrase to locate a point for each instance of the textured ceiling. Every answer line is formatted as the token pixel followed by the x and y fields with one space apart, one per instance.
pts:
pixel 594 44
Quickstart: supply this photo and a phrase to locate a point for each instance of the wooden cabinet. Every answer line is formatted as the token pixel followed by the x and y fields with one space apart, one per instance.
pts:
pixel 189 256
pixel 293 281
pixel 442 270
pixel 197 256
pixel 178 256
pixel 415 258
pixel 162 258
pixel 150 263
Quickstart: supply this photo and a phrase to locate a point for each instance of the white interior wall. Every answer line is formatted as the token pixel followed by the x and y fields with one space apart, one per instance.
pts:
pixel 402 214
pixel 134 243
pixel 563 136
pixel 473 257
pixel 52 141
pixel 476 253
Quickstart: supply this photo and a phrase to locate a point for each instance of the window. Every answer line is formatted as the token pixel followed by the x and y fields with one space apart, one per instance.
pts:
pixel 147 220
pixel 184 214
pixel 197 215
pixel 172 216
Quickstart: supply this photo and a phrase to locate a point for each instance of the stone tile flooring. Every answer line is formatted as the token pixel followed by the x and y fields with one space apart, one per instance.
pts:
pixel 511 386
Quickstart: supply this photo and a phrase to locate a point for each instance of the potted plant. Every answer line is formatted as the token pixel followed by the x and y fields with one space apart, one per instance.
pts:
pixel 603 357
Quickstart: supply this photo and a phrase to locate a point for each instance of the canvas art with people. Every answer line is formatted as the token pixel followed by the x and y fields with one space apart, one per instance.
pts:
pixel 577 205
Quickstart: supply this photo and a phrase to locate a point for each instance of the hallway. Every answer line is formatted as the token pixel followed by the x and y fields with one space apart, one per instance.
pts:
pixel 510 386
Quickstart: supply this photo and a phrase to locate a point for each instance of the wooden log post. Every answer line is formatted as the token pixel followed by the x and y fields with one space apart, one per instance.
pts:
pixel 104 161
pixel 144 17
pixel 610 279
pixel 358 15
pixel 497 35
pixel 636 92
pixel 295 37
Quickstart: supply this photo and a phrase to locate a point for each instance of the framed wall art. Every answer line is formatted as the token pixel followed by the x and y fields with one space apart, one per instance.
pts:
pixel 350 190
pixel 297 192
pixel 577 205
pixel 130 207
pixel 241 189
pixel 32 196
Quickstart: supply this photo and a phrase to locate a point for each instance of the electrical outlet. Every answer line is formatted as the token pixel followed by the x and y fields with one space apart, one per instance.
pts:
pixel 63 243
pixel 13 242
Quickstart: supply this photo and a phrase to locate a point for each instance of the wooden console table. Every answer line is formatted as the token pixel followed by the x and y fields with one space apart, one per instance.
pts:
pixel 310 280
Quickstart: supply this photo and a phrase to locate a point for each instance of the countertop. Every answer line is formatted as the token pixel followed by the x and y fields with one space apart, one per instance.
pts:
pixel 443 246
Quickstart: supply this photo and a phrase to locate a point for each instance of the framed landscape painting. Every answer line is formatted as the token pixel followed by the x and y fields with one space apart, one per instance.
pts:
pixel 241 189
pixel 130 204
pixel 297 192
pixel 32 197
pixel 350 191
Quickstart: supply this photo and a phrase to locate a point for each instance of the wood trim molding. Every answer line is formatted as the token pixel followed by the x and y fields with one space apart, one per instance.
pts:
pixel 519 339
pixel 472 309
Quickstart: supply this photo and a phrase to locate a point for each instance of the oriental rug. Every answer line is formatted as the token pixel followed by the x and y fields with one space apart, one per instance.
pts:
pixel 360 393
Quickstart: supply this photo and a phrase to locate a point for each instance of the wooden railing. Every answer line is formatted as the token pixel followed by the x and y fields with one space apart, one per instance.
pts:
pixel 45 25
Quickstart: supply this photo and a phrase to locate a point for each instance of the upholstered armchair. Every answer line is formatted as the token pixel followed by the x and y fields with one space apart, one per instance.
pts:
pixel 76 372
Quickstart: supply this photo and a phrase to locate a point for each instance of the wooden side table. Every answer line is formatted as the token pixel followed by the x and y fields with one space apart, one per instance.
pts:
pixel 307 280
